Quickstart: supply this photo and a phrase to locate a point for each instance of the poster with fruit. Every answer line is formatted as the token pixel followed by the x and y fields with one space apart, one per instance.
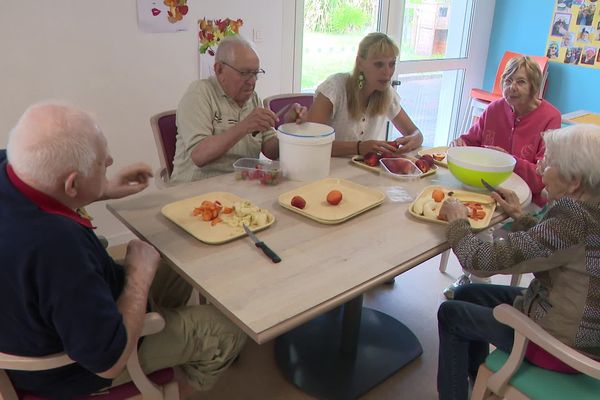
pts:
pixel 157 16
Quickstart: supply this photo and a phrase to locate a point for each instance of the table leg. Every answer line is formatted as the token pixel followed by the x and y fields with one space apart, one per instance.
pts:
pixel 346 352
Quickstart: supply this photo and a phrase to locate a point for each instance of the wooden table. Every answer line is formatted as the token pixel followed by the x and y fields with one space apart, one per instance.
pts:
pixel 323 266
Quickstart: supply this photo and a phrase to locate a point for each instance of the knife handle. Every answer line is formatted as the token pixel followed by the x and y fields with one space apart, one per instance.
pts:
pixel 274 257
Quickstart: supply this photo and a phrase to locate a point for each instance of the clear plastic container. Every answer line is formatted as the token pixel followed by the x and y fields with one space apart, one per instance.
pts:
pixel 266 172
pixel 400 168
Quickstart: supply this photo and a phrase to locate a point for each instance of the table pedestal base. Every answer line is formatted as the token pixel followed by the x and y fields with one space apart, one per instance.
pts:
pixel 329 361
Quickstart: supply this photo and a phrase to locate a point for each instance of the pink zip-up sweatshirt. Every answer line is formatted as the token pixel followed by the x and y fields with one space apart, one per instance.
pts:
pixel 520 136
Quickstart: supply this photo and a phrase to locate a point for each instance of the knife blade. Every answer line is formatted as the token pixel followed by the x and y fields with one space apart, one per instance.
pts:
pixel 261 245
pixel 490 187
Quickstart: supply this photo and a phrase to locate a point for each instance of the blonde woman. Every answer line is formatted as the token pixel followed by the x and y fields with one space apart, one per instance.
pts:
pixel 359 104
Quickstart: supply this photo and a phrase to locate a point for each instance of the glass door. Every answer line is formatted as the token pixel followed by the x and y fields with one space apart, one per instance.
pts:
pixel 438 61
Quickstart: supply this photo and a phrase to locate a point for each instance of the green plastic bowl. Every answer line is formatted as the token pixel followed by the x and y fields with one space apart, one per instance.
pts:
pixel 469 164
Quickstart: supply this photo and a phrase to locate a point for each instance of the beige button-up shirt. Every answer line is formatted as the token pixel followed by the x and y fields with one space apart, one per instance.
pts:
pixel 206 110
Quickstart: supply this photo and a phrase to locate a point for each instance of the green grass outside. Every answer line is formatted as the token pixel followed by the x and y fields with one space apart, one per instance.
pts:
pixel 324 54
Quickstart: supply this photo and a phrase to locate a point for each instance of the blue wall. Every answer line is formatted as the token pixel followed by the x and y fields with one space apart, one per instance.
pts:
pixel 523 27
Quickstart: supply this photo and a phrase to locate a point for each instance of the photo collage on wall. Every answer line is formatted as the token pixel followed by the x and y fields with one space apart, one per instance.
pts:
pixel 575 33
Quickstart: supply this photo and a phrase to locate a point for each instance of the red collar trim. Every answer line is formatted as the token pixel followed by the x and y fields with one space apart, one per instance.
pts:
pixel 43 201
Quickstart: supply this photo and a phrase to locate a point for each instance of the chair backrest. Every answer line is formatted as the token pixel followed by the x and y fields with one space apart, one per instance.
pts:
pixel 165 133
pixel 158 385
pixel 278 102
pixel 508 55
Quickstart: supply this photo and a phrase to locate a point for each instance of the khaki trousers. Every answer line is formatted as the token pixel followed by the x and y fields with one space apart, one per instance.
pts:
pixel 197 338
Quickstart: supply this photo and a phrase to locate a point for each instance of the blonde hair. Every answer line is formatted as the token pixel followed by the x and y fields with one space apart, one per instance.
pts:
pixel 374 44
pixel 532 70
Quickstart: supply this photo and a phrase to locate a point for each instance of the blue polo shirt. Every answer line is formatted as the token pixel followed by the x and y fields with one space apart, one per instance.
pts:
pixel 58 291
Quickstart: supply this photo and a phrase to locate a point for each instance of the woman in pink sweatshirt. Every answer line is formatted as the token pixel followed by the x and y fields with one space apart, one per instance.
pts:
pixel 514 124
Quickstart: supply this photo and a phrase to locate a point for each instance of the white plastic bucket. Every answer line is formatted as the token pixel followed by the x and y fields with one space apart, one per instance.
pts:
pixel 305 150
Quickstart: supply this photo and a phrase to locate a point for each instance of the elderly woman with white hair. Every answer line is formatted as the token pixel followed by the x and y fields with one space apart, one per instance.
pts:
pixel 562 251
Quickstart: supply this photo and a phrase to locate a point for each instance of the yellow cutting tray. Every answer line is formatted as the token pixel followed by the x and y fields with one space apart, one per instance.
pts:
pixel 356 199
pixel 489 205
pixel 180 212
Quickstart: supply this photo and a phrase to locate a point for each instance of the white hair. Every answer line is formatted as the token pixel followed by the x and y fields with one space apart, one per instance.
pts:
pixel 574 151
pixel 51 140
pixel 227 48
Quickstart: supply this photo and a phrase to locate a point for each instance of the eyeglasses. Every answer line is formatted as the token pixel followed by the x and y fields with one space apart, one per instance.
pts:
pixel 246 74
pixel 519 82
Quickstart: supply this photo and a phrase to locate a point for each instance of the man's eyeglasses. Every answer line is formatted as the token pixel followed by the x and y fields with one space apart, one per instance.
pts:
pixel 246 74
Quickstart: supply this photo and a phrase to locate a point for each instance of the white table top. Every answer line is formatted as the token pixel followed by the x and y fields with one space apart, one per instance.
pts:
pixel 322 266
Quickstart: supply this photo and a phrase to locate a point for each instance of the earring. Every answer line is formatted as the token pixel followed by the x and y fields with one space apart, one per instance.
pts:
pixel 361 80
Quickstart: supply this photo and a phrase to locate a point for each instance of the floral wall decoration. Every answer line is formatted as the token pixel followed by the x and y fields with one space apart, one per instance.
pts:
pixel 158 16
pixel 575 33
pixel 212 31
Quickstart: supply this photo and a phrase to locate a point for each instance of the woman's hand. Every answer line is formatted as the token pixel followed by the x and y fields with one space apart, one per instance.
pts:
pixel 410 142
pixel 453 209
pixel 376 146
pixel 458 142
pixel 509 201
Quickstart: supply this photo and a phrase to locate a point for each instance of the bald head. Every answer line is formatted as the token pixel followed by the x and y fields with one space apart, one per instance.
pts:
pixel 52 140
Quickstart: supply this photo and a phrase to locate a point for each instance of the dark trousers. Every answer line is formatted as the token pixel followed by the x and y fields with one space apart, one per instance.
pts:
pixel 466 328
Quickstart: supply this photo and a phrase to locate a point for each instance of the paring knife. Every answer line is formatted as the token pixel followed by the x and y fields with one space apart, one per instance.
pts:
pixel 278 115
pixel 490 187
pixel 260 244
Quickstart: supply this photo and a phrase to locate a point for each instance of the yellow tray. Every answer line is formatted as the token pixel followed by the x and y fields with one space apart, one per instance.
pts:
pixel 434 150
pixel 359 162
pixel 356 200
pixel 489 205
pixel 180 212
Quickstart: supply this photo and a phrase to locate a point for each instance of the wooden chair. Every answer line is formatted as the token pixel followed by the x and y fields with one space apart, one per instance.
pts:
pixel 508 376
pixel 159 385
pixel 278 102
pixel 164 128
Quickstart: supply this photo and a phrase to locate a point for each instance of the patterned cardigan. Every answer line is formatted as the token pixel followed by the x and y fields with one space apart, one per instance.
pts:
pixel 563 253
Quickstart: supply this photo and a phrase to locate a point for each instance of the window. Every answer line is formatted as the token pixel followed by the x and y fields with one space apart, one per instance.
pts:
pixel 438 62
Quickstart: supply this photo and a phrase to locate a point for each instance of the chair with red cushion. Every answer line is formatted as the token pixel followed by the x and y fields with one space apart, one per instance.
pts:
pixel 159 385
pixel 165 135
pixel 278 102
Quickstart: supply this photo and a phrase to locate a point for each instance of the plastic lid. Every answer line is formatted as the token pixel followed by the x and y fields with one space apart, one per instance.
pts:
pixel 306 130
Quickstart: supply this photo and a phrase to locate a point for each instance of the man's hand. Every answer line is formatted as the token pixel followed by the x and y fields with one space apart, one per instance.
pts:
pixel 453 209
pixel 297 113
pixel 509 201
pixel 141 256
pixel 259 120
pixel 129 180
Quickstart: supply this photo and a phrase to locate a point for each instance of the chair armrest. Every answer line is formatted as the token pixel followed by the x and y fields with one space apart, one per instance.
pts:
pixel 526 330
pixel 23 363
pixel 153 323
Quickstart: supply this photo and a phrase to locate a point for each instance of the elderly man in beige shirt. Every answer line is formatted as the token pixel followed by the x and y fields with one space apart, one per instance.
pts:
pixel 220 119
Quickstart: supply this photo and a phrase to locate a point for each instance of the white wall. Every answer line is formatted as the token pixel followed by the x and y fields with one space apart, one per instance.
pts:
pixel 92 54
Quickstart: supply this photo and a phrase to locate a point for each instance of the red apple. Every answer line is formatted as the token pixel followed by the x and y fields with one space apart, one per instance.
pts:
pixel 399 166
pixel 371 159
pixel 422 165
pixel 428 159
pixel 298 202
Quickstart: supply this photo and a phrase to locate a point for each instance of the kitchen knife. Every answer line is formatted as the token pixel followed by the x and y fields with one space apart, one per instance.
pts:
pixel 260 244
pixel 490 187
